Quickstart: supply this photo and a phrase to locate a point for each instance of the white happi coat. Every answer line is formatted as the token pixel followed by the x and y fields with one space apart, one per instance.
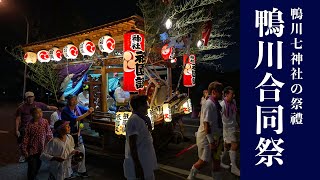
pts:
pixel 146 152
pixel 58 148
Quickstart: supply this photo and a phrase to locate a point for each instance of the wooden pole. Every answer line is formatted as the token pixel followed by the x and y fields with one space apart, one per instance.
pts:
pixel 169 78
pixel 103 88
pixel 106 87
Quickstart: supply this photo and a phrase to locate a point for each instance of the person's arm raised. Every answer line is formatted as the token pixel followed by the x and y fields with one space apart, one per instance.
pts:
pixel 79 118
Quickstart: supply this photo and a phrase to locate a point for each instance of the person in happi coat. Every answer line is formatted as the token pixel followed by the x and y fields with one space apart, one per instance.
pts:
pixel 58 152
pixel 37 134
pixel 23 116
pixel 230 126
pixel 140 157
pixel 209 134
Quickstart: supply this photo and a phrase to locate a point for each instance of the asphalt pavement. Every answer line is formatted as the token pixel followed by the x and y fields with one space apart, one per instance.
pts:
pixel 174 163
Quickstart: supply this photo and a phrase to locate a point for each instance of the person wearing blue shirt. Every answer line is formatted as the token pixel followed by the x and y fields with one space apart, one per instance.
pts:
pixel 75 113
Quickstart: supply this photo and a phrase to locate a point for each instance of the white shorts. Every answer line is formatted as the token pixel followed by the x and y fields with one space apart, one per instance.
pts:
pixel 204 152
pixel 229 135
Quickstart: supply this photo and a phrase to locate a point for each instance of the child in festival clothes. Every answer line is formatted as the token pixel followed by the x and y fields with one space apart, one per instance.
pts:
pixel 59 151
pixel 37 134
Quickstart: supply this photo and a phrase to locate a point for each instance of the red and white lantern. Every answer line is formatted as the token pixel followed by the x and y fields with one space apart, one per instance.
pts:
pixel 70 51
pixel 87 48
pixel 167 52
pixel 30 57
pixel 166 112
pixel 187 106
pixel 189 72
pixel 106 44
pixel 55 54
pixel 206 32
pixel 134 62
pixel 43 56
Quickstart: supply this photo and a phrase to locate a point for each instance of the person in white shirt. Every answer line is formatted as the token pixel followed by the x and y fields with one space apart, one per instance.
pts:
pixel 230 126
pixel 122 97
pixel 83 97
pixel 140 157
pixel 58 152
pixel 203 99
pixel 209 133
pixel 56 116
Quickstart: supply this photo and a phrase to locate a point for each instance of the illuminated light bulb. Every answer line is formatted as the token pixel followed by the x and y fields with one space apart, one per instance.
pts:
pixel 168 24
pixel 199 43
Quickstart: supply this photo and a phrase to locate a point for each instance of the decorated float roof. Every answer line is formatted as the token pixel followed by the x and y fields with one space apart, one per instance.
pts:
pixel 116 29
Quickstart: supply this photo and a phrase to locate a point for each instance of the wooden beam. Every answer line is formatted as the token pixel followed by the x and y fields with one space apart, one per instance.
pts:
pixel 108 70
pixel 113 70
pixel 110 62
pixel 97 71
pixel 93 83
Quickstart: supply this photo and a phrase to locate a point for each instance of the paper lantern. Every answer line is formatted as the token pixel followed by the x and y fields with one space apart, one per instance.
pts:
pixel 167 52
pixel 43 56
pixel 106 44
pixel 70 51
pixel 87 48
pixel 206 32
pixel 55 54
pixel 151 115
pixel 121 122
pixel 187 106
pixel 167 112
pixel 30 57
pixel 134 61
pixel 189 72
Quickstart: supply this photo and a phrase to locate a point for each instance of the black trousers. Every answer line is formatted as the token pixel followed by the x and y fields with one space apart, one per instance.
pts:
pixel 34 164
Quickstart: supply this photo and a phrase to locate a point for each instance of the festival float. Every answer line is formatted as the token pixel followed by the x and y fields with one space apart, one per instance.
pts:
pixel 117 48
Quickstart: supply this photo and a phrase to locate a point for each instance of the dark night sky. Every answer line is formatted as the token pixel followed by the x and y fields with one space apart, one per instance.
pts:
pixel 59 17
pixel 52 19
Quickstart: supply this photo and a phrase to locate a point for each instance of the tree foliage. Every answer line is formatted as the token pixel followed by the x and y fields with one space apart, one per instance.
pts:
pixel 189 18
pixel 43 74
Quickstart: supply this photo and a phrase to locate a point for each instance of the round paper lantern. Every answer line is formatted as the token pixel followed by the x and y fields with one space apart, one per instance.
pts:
pixel 55 54
pixel 166 52
pixel 70 51
pixel 106 44
pixel 43 56
pixel 30 57
pixel 87 48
